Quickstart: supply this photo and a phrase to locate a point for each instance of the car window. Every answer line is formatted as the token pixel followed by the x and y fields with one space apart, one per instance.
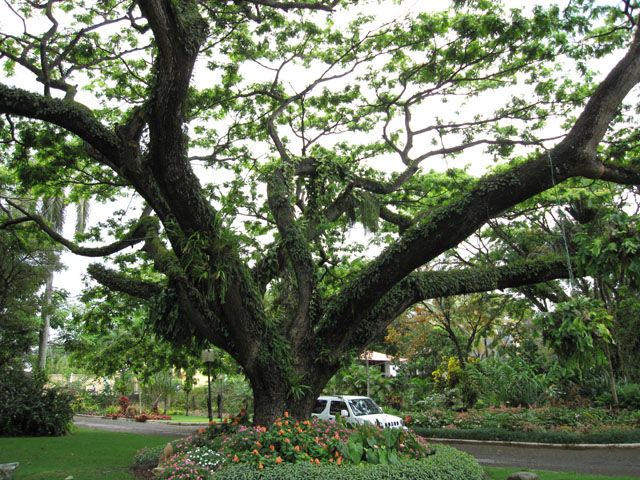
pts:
pixel 337 406
pixel 364 406
pixel 319 406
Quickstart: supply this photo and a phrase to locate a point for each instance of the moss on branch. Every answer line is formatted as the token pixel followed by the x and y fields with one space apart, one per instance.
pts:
pixel 124 283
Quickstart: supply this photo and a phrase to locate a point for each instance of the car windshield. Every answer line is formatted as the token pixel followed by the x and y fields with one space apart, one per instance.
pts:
pixel 364 406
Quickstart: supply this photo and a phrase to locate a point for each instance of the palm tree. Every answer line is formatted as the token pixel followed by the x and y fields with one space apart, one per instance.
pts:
pixel 53 210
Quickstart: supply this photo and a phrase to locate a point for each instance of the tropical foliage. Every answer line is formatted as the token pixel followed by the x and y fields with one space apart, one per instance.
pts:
pixel 296 170
pixel 30 408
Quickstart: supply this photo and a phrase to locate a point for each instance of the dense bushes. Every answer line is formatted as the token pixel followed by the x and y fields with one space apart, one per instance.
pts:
pixel 447 464
pixel 628 396
pixel 585 420
pixel 29 409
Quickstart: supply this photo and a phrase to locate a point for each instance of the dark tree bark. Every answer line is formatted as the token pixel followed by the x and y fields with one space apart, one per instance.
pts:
pixel 222 296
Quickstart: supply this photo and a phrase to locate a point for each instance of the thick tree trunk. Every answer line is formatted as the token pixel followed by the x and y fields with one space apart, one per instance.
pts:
pixel 273 395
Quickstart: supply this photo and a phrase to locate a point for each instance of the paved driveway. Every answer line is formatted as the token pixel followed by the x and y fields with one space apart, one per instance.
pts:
pixel 124 425
pixel 595 460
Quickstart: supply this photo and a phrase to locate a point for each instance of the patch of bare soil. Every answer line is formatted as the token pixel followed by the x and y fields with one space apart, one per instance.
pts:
pixel 143 472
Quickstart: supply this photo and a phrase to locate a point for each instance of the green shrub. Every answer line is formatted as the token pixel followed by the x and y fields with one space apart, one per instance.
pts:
pixel 30 409
pixel 632 436
pixel 511 380
pixel 148 456
pixel 629 396
pixel 447 464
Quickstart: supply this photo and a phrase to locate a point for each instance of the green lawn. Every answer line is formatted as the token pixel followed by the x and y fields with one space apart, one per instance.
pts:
pixel 85 454
pixel 190 419
pixel 494 473
pixel 94 454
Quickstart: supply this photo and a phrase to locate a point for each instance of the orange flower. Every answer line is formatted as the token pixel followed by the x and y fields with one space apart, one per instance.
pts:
pixel 201 430
pixel 336 454
pixel 286 440
pixel 211 423
pixel 226 420
pixel 286 414
pixel 242 413
pixel 258 444
pixel 255 452
pixel 286 422
pixel 260 466
pixel 272 447
pixel 331 460
pixel 236 459
pixel 297 448
pixel 281 432
pixel 339 460
pixel 279 460
pixel 317 462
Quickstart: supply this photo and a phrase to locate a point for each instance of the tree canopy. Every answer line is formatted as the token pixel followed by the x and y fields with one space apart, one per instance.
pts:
pixel 298 162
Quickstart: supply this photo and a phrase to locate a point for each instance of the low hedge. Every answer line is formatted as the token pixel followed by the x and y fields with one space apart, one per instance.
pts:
pixel 448 463
pixel 630 436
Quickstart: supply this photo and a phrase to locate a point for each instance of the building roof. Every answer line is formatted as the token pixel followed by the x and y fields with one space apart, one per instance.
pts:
pixel 378 357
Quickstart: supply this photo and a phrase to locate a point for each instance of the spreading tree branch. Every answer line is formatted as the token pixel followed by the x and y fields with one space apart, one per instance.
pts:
pixel 136 234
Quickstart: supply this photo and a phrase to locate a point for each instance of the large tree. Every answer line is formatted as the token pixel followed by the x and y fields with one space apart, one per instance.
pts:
pixel 261 134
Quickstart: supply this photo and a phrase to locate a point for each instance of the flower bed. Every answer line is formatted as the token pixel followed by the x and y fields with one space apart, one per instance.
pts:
pixel 545 419
pixel 288 441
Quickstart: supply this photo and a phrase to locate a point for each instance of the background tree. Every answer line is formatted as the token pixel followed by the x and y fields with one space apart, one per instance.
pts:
pixel 582 320
pixel 293 114
pixel 110 335
pixel 26 260
pixel 463 320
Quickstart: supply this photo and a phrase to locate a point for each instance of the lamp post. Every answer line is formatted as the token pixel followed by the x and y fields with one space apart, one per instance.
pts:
pixel 208 358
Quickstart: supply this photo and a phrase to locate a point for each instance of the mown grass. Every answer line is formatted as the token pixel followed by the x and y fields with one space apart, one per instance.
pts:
pixel 190 419
pixel 85 454
pixel 494 473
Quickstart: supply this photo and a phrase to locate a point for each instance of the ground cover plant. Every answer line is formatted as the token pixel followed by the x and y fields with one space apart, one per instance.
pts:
pixel 84 454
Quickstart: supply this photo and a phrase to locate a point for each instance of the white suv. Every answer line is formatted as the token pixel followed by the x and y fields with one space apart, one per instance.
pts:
pixel 355 409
